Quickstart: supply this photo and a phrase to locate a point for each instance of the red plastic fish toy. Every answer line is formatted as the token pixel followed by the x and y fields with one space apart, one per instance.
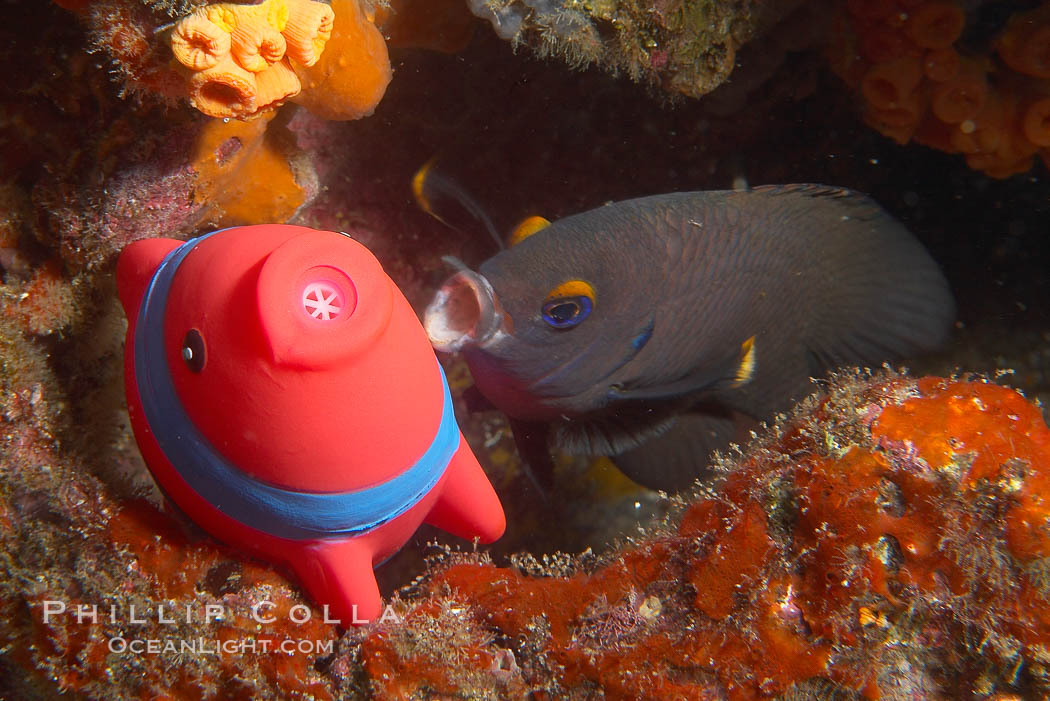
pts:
pixel 286 398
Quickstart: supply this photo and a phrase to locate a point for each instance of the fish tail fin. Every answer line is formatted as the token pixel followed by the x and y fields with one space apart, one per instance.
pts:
pixel 883 295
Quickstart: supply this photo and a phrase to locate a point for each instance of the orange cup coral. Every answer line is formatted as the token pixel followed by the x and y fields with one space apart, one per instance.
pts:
pixel 257 45
pixel 889 83
pixel 960 97
pixel 940 65
pixel 276 84
pixel 949 102
pixel 238 55
pixel 935 25
pixel 198 43
pixel 1025 43
pixel 308 30
pixel 224 90
pixel 1035 122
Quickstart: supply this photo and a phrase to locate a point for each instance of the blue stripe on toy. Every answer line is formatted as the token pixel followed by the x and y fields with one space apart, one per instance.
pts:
pixel 265 507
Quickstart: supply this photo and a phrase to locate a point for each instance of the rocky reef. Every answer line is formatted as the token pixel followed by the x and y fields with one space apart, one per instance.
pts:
pixel 887 541
pixel 687 48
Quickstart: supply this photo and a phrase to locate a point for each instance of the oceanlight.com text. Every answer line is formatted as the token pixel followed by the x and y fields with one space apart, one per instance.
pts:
pixel 207 646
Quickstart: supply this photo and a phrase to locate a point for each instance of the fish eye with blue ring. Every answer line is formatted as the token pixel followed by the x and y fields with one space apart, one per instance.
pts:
pixel 568 304
pixel 193 352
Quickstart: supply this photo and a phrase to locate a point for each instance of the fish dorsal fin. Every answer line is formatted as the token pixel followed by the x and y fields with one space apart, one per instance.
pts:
pixel 809 189
pixel 861 206
pixel 419 181
pixel 526 228
pixel 448 202
pixel 735 370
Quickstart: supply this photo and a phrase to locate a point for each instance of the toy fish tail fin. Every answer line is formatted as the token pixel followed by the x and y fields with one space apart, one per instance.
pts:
pixel 340 572
pixel 468 506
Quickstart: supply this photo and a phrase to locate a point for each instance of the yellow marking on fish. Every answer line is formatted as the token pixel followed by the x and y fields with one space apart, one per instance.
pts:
pixel 572 288
pixel 526 228
pixel 418 181
pixel 746 369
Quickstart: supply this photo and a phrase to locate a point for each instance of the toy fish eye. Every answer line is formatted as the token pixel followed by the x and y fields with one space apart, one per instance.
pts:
pixel 193 352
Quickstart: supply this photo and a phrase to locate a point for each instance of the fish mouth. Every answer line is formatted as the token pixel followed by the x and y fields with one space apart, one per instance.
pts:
pixel 464 312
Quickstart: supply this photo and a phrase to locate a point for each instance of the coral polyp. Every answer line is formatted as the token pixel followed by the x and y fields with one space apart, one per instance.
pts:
pixel 887 541
pixel 308 29
pixel 198 43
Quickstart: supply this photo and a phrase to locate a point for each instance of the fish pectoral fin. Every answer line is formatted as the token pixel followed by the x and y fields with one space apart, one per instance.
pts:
pixel 613 432
pixel 476 401
pixel 735 370
pixel 679 456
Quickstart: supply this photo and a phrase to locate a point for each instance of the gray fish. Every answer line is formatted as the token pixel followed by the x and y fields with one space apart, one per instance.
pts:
pixel 653 330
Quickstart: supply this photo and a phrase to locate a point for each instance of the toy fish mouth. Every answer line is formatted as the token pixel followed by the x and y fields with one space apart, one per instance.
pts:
pixel 464 312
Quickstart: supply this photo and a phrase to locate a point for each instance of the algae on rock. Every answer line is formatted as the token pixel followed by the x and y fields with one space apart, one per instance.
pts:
pixel 687 47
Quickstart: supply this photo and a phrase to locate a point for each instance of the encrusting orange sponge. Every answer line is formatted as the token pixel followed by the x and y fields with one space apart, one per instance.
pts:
pixel 914 84
pixel 246 172
pixel 892 542
pixel 352 74
pixel 239 56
